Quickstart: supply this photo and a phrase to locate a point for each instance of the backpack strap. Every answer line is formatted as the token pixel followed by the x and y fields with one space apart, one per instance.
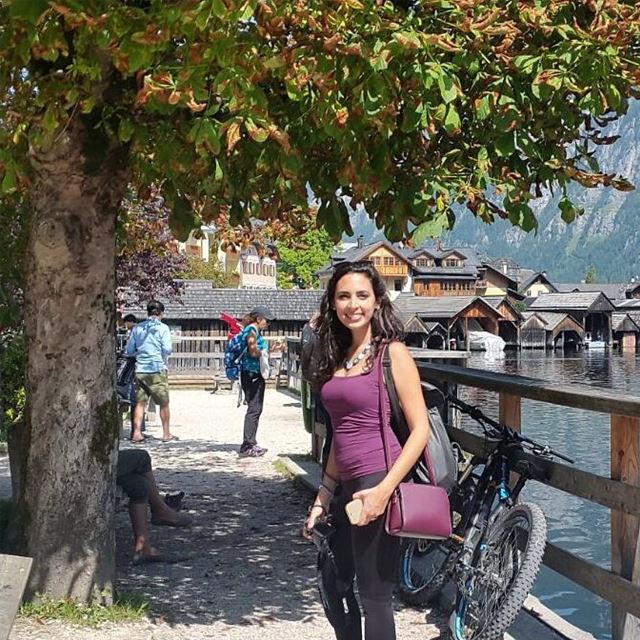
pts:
pixel 398 421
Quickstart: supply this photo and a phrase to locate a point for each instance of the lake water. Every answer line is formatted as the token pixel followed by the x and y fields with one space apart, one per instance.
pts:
pixel 574 524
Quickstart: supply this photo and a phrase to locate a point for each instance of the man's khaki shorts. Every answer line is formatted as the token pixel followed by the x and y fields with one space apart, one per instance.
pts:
pixel 152 385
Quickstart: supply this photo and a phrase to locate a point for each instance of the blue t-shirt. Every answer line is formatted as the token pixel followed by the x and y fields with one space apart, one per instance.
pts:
pixel 249 363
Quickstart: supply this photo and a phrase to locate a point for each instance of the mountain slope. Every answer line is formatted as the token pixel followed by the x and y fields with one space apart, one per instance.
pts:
pixel 607 236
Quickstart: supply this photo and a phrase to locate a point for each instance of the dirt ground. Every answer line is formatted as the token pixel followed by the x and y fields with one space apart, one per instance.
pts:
pixel 244 571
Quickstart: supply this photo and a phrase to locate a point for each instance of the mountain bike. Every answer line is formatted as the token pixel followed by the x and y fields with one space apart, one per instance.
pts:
pixel 495 552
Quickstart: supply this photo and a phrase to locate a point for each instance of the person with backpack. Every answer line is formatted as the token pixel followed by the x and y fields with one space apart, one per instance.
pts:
pixel 253 384
pixel 356 327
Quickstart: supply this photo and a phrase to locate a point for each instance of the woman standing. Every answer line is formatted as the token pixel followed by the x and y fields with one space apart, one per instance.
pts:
pixel 253 384
pixel 356 324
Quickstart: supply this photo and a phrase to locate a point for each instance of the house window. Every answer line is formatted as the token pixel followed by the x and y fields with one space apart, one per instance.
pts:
pixel 388 262
pixel 397 285
pixel 375 261
pixel 451 262
pixel 424 262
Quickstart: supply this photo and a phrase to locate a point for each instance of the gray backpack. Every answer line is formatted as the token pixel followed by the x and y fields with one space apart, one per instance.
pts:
pixel 439 464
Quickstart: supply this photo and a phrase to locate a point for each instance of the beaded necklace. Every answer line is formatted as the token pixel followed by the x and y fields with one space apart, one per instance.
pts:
pixel 352 362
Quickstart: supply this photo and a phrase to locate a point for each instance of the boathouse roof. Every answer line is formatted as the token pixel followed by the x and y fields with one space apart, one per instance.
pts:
pixel 437 307
pixel 624 322
pixel 582 301
pixel 200 300
pixel 631 303
pixel 551 320
pixel 416 325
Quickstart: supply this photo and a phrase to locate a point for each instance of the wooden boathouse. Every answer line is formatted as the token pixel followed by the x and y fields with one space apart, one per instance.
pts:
pixel 548 330
pixel 592 310
pixel 453 313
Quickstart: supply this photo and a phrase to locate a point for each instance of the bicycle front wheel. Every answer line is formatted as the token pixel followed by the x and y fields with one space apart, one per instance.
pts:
pixel 503 575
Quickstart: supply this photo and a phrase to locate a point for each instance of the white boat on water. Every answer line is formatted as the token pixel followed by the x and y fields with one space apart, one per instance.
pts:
pixel 485 341
pixel 590 343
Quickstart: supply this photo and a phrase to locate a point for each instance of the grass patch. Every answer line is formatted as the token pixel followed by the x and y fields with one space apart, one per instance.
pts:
pixel 282 469
pixel 128 607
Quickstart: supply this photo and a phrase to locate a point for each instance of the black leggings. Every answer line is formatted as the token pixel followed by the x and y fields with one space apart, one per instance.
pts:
pixel 375 561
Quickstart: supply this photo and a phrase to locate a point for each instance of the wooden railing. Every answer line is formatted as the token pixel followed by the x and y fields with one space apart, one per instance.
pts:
pixel 204 355
pixel 620 492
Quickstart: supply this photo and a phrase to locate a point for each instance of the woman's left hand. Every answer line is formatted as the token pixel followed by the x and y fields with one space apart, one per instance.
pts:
pixel 374 503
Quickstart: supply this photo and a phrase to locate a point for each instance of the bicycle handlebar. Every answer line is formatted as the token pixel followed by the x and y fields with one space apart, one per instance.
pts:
pixel 475 413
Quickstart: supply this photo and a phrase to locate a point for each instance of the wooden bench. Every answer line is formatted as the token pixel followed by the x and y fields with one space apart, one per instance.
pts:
pixel 14 572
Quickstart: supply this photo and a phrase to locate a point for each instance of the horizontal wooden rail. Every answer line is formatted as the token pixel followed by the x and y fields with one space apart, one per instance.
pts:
pixel 606 584
pixel 568 395
pixel 604 491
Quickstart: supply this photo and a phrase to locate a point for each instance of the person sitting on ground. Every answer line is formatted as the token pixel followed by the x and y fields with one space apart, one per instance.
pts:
pixel 150 344
pixel 135 476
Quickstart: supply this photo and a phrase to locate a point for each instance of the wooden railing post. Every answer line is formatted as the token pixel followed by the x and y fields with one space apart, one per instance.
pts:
pixel 509 411
pixel 625 547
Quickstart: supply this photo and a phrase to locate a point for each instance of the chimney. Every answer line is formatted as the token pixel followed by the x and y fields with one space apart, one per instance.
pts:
pixel 505 268
pixel 360 242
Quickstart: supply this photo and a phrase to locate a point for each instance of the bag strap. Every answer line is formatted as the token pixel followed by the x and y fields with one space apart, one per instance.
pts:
pixel 384 418
pixel 399 423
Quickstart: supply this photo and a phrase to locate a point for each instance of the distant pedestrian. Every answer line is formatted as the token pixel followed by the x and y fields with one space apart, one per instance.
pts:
pixel 150 344
pixel 129 322
pixel 253 384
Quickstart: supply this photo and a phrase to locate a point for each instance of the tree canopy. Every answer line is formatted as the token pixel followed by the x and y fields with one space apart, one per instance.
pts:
pixel 299 263
pixel 238 106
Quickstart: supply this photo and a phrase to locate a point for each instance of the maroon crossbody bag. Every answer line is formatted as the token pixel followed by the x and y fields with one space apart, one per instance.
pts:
pixel 414 510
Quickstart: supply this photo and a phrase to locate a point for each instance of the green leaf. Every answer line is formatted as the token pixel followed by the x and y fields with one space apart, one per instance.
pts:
pixel 448 89
pixel 10 180
pixel 484 108
pixel 219 9
pixel 218 174
pixel 29 10
pixel 431 228
pixel 125 130
pixel 504 144
pixel 452 121
pixel 568 211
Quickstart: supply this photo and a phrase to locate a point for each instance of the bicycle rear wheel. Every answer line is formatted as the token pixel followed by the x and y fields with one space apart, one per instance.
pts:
pixel 423 571
pixel 503 575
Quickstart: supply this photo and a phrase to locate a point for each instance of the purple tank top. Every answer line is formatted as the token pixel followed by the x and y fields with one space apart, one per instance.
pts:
pixel 354 406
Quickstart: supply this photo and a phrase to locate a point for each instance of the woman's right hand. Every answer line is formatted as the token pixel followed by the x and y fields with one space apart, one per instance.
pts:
pixel 315 511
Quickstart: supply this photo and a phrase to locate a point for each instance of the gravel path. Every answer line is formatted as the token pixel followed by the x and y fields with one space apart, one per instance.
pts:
pixel 245 573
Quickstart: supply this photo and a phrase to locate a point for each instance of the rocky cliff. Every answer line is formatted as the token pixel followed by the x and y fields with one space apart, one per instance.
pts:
pixel 607 236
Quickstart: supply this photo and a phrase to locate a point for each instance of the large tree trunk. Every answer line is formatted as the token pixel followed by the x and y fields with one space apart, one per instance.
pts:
pixel 67 483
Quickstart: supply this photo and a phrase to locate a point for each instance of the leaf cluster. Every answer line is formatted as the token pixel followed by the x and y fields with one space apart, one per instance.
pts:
pixel 238 107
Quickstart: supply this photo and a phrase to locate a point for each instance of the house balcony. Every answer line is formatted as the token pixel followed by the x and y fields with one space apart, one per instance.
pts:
pixel 394 270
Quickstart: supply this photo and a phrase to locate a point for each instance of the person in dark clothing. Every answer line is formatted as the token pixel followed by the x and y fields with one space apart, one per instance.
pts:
pixel 253 384
pixel 356 324
pixel 135 476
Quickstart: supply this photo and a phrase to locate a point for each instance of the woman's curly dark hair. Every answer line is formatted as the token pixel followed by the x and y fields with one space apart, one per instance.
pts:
pixel 334 339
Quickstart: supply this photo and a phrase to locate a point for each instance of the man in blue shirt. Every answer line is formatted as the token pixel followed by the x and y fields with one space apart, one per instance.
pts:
pixel 150 344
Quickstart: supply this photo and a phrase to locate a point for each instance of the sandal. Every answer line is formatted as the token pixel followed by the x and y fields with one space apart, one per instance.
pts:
pixel 151 558
pixel 171 439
